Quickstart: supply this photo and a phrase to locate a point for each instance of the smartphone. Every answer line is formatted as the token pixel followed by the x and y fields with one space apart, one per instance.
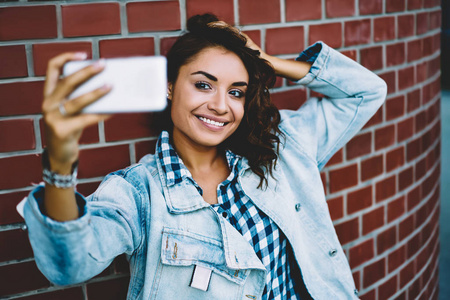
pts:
pixel 139 84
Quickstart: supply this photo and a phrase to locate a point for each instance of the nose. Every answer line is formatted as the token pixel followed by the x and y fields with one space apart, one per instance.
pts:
pixel 218 103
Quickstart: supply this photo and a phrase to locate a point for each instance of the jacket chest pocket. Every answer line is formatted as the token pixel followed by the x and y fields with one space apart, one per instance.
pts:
pixel 181 252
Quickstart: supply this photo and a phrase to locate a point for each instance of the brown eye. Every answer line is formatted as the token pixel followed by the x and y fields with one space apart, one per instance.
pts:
pixel 237 93
pixel 202 85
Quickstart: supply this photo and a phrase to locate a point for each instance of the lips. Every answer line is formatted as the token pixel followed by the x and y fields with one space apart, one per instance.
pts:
pixel 211 122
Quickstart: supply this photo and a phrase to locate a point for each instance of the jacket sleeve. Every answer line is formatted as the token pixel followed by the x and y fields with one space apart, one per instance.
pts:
pixel 353 94
pixel 75 251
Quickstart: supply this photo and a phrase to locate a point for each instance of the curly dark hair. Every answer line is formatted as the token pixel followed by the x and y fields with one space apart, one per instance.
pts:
pixel 257 137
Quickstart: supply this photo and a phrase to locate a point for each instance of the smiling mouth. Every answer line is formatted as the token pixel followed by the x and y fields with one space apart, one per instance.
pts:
pixel 211 122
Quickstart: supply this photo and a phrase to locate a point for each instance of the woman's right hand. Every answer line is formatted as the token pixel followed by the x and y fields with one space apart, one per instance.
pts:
pixel 64 125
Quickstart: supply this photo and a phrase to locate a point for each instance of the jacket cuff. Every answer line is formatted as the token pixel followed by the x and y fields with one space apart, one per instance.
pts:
pixel 316 54
pixel 34 213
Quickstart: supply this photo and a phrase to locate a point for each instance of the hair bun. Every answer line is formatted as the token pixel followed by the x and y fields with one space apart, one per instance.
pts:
pixel 198 23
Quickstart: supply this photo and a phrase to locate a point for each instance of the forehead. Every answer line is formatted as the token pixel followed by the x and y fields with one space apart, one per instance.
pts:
pixel 218 62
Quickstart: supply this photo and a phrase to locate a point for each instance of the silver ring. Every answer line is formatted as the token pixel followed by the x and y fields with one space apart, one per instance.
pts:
pixel 62 109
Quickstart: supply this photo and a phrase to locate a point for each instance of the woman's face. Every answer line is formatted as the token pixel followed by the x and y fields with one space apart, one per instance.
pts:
pixel 208 98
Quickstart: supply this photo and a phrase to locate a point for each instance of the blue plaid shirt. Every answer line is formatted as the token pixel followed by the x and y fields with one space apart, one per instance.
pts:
pixel 258 229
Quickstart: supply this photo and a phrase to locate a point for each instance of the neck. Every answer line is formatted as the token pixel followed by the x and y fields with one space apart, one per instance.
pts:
pixel 196 157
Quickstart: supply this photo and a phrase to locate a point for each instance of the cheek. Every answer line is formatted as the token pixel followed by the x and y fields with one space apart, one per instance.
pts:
pixel 238 111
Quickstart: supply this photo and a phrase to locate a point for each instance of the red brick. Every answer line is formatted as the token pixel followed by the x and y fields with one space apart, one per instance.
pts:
pixel 336 158
pixel 377 118
pixel 284 40
pixel 413 149
pixel 395 159
pixel 112 289
pixel 422 22
pixel 343 178
pixel 336 207
pixel 405 129
pixel 42 53
pixel 330 33
pixel 413 246
pixel 413 198
pixel 143 148
pixel 406 78
pixel 89 135
pixel 395 54
pixel 396 258
pixel 374 272
pixel 21 277
pixel 87 188
pixel 323 177
pixel 385 188
pixel 415 4
pixel 13 61
pixel 428 46
pixel 370 7
pixel 415 50
pixel 369 295
pixel 359 199
pixel 350 53
pixel 395 107
pixel 407 273
pixel 357 279
pixel 406 227
pixel 371 167
pixel 359 145
pixel 127 47
pixel 390 79
pixel 259 11
pixel 66 294
pixel 361 253
pixel 348 231
pixel 278 82
pixel 420 121
pixel 22 171
pixel 21 98
pixel 372 58
pixel 90 19
pixel 395 6
pixel 299 10
pixel 388 288
pixel 223 9
pixel 166 44
pixel 138 125
pixel 291 99
pixel 405 179
pixel 414 100
pixel 431 3
pixel 27 22
pixel 357 32
pixel 384 29
pixel 386 240
pixel 422 72
pixel 101 161
pixel 384 137
pixel 435 19
pixel 340 8
pixel 18 245
pixel 405 26
pixel 373 220
pixel 8 203
pixel 17 135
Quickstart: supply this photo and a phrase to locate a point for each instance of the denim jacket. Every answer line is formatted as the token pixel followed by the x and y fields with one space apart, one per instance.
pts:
pixel 166 231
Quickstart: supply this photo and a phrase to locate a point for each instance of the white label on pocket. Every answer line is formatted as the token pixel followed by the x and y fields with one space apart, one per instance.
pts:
pixel 200 278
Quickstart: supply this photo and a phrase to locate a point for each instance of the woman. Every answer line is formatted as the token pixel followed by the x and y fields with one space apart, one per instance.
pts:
pixel 231 206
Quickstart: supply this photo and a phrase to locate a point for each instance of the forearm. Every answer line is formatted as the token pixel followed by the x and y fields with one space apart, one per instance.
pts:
pixel 290 69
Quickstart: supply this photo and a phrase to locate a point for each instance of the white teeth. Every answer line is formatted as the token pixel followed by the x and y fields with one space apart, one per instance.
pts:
pixel 220 124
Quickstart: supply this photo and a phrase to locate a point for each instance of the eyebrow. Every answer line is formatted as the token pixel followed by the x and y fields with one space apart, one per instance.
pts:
pixel 213 78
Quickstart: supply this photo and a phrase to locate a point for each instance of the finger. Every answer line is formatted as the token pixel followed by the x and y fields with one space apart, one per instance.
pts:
pixel 75 106
pixel 54 69
pixel 71 82
pixel 82 121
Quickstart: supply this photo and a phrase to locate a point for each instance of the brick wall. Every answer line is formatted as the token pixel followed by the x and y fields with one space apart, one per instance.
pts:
pixel 382 188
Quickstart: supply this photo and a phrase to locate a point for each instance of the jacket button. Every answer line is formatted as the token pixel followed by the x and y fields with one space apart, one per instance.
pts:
pixel 298 206
pixel 356 292
pixel 332 252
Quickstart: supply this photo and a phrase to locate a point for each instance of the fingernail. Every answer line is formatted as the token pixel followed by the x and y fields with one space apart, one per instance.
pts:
pixel 106 87
pixel 81 55
pixel 100 64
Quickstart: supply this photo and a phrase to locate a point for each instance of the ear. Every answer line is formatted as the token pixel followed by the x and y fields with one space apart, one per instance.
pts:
pixel 169 91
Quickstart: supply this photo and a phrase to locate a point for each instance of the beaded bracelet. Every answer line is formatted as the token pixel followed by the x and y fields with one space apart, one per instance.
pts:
pixel 55 179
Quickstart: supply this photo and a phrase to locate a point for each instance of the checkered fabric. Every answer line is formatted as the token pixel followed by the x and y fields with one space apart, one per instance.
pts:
pixel 258 229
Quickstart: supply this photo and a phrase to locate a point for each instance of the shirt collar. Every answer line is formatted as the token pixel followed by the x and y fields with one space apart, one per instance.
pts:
pixel 173 165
